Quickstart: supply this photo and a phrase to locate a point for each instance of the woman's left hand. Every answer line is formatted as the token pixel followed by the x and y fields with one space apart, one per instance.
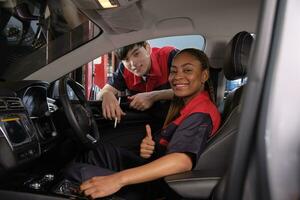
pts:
pixel 101 186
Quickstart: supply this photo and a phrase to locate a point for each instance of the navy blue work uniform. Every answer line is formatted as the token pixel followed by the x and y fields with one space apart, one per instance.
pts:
pixel 188 134
pixel 156 79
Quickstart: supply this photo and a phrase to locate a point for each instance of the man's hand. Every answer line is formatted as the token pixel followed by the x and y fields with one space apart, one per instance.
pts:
pixel 148 145
pixel 142 101
pixel 101 186
pixel 110 107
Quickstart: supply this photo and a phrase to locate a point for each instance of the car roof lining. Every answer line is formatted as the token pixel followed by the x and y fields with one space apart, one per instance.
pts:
pixel 216 21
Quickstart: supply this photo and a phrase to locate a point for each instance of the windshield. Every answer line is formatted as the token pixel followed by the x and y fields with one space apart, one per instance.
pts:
pixel 34 33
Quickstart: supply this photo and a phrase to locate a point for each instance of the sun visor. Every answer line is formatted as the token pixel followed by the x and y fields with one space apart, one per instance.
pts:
pixel 123 19
pixel 124 16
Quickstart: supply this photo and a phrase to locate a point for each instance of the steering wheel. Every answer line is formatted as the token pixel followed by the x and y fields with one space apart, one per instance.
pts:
pixel 79 116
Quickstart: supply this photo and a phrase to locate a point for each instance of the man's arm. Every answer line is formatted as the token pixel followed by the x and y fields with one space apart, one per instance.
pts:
pixel 106 89
pixel 110 105
pixel 159 95
pixel 145 100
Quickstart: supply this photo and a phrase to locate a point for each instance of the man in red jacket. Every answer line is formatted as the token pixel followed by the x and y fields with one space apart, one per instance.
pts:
pixel 143 72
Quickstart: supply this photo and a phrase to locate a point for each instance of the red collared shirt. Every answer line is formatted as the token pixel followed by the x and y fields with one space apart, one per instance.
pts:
pixel 161 59
pixel 201 104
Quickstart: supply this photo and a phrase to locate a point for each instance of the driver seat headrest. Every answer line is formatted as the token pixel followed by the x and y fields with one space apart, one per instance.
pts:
pixel 237 55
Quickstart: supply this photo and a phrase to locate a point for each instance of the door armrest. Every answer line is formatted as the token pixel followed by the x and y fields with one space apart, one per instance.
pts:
pixel 196 184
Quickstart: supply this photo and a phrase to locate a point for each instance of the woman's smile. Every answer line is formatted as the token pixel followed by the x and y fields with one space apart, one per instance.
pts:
pixel 180 86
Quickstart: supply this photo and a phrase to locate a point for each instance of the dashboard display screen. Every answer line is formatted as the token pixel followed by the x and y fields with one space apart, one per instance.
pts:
pixel 14 130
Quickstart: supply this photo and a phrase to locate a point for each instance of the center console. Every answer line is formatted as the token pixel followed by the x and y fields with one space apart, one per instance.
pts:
pixel 48 184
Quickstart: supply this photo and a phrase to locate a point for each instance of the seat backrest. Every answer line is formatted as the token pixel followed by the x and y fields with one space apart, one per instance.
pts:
pixel 235 67
pixel 217 154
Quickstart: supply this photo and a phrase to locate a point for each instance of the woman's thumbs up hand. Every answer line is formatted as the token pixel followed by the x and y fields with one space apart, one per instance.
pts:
pixel 147 145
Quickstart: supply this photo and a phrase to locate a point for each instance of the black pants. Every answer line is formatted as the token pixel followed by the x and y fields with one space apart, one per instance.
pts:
pixel 107 159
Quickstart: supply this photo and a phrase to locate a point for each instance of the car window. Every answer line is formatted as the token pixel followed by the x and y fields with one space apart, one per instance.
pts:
pixel 100 70
pixel 180 42
pixel 35 33
pixel 233 84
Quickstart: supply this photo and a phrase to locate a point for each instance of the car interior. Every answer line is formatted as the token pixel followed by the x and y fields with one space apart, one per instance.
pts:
pixel 46 118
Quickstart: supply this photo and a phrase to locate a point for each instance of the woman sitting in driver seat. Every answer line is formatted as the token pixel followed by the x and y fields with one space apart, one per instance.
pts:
pixel 192 118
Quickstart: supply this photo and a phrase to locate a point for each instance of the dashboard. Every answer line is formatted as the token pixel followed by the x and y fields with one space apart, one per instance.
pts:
pixel 37 142
pixel 27 129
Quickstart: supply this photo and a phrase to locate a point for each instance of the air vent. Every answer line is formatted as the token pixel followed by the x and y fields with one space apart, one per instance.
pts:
pixel 3 105
pixel 14 103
